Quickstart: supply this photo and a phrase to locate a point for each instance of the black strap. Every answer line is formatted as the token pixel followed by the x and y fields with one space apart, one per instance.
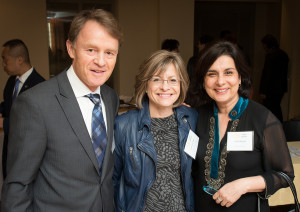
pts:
pixel 293 189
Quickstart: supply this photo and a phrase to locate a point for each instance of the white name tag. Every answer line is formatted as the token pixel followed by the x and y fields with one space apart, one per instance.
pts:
pixel 191 144
pixel 240 141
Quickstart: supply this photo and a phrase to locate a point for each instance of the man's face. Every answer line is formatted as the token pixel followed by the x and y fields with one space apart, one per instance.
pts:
pixel 10 64
pixel 94 54
pixel 265 47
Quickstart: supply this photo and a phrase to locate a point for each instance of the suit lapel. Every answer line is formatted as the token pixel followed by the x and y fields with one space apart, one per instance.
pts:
pixel 109 109
pixel 70 106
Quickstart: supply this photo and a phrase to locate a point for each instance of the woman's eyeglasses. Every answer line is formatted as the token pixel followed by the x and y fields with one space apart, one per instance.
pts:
pixel 157 81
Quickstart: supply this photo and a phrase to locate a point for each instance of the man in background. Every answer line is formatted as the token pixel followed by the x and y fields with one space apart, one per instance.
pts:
pixel 204 42
pixel 171 45
pixel 273 83
pixel 16 63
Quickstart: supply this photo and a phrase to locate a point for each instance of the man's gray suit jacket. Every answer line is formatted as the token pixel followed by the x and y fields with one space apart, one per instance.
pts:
pixel 51 162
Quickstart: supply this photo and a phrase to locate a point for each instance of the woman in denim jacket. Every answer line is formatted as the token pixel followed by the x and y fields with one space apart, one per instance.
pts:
pixel 152 170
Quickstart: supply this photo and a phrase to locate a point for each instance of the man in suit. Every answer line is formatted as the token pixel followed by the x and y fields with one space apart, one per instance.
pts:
pixel 53 164
pixel 16 63
pixel 273 83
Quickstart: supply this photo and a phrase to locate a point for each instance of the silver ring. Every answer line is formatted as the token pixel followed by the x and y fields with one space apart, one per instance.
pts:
pixel 219 200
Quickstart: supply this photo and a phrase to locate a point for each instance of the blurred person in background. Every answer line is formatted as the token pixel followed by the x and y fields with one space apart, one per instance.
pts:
pixel 171 45
pixel 16 63
pixel 273 82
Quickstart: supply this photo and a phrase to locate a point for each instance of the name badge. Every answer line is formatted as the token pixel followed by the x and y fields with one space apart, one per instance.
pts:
pixel 240 141
pixel 191 144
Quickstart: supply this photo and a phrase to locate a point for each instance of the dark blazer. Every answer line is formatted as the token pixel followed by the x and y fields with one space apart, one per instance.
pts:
pixel 33 79
pixel 274 74
pixel 51 162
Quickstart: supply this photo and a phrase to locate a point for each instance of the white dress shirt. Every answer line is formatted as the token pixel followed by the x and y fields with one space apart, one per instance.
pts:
pixel 22 79
pixel 85 104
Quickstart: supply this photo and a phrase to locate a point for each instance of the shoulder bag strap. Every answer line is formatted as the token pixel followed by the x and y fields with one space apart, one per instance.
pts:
pixel 293 189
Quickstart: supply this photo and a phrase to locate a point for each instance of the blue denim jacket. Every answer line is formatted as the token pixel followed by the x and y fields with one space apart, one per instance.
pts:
pixel 135 157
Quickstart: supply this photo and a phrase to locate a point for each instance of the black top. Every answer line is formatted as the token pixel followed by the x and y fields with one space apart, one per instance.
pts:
pixel 270 154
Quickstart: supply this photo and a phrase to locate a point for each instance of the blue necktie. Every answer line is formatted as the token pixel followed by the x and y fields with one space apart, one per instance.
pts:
pixel 15 94
pixel 99 137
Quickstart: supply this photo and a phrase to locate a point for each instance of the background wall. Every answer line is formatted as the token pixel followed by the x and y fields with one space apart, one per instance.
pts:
pixel 177 22
pixel 267 21
pixel 26 20
pixel 147 23
pixel 290 34
pixel 139 21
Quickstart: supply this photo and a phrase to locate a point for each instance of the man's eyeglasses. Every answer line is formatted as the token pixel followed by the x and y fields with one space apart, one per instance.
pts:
pixel 209 190
pixel 159 81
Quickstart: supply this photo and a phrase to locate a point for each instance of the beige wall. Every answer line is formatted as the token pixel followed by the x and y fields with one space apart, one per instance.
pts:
pixel 290 42
pixel 267 21
pixel 139 21
pixel 177 22
pixel 26 20
pixel 145 24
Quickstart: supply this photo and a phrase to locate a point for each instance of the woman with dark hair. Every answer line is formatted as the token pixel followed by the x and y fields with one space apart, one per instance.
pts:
pixel 241 143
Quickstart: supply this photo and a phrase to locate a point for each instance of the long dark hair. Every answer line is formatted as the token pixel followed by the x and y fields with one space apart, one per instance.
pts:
pixel 197 94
